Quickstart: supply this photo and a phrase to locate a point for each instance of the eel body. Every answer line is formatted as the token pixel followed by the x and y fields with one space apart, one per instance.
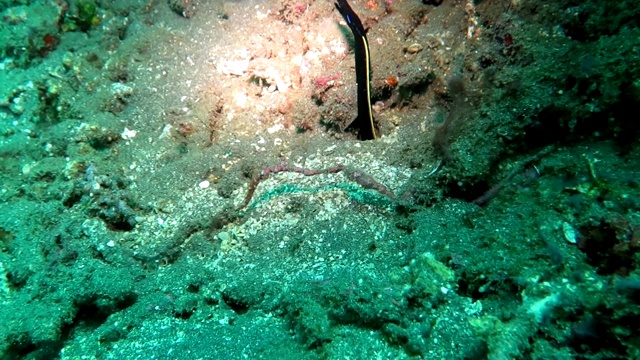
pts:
pixel 364 121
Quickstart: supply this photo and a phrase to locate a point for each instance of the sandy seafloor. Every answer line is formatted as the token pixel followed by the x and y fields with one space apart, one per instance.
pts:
pixel 176 181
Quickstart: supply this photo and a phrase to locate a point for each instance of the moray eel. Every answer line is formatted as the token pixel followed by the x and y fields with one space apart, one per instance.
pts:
pixel 364 121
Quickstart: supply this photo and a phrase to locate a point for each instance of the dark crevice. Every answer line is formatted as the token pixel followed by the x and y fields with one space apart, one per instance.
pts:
pixel 238 306
pixel 90 315
pixel 184 314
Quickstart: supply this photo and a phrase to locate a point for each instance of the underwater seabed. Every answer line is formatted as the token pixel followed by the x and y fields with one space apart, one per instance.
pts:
pixel 184 179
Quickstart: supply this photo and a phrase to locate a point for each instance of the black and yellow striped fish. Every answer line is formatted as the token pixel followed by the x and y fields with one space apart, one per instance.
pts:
pixel 364 121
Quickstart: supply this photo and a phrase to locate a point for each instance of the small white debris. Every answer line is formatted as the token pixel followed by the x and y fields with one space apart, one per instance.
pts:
pixel 539 309
pixel 166 131
pixel 330 149
pixel 570 234
pixel 128 134
pixel 275 128
pixel 224 236
pixel 121 90
pixel 234 67
pixel 241 99
pixel 281 85
pixel 111 243
pixel 204 184
pixel 26 168
pixel 414 48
